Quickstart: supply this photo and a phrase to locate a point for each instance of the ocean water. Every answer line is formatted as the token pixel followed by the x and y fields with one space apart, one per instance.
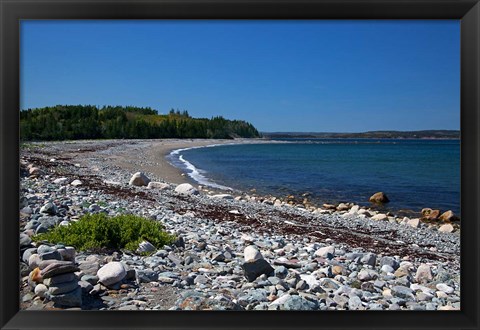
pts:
pixel 413 173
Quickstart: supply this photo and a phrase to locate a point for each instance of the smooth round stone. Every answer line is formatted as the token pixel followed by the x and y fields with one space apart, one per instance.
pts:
pixel 40 290
pixel 28 252
pixel 34 261
pixel 111 273
pixel 444 288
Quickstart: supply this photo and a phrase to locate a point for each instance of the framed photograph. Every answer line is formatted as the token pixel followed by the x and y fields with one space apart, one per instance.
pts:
pixel 238 164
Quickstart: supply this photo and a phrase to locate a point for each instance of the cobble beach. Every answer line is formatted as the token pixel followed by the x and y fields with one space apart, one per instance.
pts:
pixel 233 250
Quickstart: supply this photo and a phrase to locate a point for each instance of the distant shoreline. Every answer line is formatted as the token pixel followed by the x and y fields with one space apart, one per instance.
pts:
pixel 426 134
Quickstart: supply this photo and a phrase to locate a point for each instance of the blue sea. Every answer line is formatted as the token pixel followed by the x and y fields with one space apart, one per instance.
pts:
pixel 413 173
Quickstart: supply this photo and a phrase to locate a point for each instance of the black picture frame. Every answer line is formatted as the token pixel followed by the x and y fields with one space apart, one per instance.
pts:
pixel 13 11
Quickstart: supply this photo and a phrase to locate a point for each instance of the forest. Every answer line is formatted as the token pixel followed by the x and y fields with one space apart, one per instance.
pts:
pixel 70 122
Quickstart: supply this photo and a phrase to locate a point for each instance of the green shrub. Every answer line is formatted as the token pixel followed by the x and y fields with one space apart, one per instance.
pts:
pixel 98 231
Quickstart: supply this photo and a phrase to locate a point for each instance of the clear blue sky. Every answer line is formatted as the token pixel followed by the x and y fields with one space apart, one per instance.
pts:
pixel 324 76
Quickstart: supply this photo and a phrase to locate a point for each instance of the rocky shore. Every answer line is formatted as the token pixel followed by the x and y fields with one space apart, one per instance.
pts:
pixel 232 251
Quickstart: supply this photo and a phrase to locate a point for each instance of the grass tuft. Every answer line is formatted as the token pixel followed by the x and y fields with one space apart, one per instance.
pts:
pixel 98 231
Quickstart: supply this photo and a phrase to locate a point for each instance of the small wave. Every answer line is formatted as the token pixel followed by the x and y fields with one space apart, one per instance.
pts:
pixel 193 172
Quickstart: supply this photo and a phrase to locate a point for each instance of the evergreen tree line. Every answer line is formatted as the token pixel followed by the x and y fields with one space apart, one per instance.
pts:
pixel 70 122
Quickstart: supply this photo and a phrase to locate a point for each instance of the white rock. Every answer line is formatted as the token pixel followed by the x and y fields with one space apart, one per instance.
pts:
pixel 113 183
pixel 448 308
pixel 40 290
pixel 34 260
pixel 413 222
pixel 447 228
pixel 354 209
pixel 387 269
pixel 424 289
pixel 60 181
pixel 379 216
pixel 441 294
pixel 310 279
pixel 158 185
pixel 247 238
pixel 139 179
pixel 76 183
pixel 444 288
pixel 186 189
pixel 111 273
pixel 424 274
pixel 34 171
pixel 222 196
pixel 251 253
pixel 281 300
pixel 325 251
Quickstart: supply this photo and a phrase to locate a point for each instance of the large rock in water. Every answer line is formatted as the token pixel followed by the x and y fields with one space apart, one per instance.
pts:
pixel 111 273
pixel 429 214
pixel 448 216
pixel 379 197
pixel 186 189
pixel 139 179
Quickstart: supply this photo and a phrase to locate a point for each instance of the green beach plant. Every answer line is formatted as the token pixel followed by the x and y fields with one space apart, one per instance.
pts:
pixel 98 231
